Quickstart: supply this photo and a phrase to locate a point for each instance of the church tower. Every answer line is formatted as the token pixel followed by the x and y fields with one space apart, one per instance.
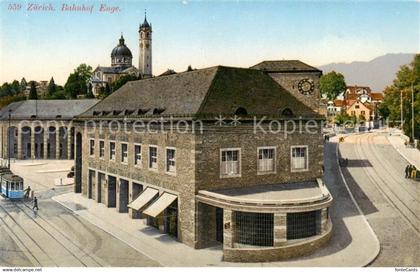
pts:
pixel 145 57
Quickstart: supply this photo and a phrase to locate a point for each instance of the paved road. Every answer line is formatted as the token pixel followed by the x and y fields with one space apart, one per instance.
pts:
pixel 375 175
pixel 55 236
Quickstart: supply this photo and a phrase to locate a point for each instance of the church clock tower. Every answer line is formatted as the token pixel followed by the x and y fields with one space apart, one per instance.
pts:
pixel 145 57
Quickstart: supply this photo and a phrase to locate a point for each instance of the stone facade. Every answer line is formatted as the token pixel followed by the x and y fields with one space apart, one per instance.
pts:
pixel 290 81
pixel 206 214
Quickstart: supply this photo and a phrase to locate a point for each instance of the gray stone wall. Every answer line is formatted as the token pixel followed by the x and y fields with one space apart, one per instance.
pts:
pixel 208 147
pixel 289 81
pixel 182 184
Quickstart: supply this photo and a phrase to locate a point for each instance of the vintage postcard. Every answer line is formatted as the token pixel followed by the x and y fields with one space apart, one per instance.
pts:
pixel 212 133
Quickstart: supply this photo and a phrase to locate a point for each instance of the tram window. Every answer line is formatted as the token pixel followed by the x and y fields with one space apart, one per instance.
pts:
pixel 12 186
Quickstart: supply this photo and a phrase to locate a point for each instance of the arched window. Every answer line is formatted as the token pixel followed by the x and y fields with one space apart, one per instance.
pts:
pixel 287 112
pixel 241 111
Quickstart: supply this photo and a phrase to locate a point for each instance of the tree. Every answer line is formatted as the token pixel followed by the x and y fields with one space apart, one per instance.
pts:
pixel 77 81
pixel 407 79
pixel 122 80
pixel 332 85
pixel 33 95
pixel 52 88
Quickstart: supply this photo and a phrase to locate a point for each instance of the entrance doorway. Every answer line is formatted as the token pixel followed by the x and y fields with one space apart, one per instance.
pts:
pixel 219 225
pixel 123 199
pixel 136 190
pixel 171 219
pixel 112 192
pixel 100 180
pixel 78 164
pixel 90 183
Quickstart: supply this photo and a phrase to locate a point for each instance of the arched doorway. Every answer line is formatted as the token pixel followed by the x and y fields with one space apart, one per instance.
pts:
pixel 51 145
pixel 62 144
pixel 39 142
pixel 12 135
pixel 78 164
pixel 25 143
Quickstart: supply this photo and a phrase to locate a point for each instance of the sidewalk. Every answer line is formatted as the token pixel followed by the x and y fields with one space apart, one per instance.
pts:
pixel 411 155
pixel 168 252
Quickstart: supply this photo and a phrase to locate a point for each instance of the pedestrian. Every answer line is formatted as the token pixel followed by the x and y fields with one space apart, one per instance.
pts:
pixel 407 171
pixel 413 172
pixel 27 191
pixel 35 204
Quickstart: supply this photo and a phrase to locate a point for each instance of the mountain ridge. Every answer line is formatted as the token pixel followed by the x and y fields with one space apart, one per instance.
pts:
pixel 376 73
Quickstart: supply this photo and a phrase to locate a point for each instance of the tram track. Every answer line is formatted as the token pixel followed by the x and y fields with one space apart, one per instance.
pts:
pixel 48 229
pixel 391 196
pixel 61 233
pixel 388 166
pixel 28 238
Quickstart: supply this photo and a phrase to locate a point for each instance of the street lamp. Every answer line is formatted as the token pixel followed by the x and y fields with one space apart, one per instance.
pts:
pixel 8 138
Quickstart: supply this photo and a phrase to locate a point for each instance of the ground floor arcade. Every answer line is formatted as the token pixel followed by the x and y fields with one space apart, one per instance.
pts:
pixel 37 140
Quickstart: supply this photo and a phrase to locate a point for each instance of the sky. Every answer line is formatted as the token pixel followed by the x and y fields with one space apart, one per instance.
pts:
pixel 41 44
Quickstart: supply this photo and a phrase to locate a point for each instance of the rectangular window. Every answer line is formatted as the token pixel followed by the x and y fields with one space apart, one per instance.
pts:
pixel 91 147
pixel 266 160
pixel 137 155
pixel 124 153
pixel 299 158
pixel 230 162
pixel 170 160
pixel 101 149
pixel 112 151
pixel 153 157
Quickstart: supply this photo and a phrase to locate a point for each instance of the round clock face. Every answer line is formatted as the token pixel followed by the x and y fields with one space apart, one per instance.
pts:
pixel 306 86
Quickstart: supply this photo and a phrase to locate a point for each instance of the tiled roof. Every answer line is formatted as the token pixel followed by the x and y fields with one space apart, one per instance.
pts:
pixel 284 66
pixel 377 96
pixel 47 109
pixel 339 103
pixel 353 89
pixel 210 91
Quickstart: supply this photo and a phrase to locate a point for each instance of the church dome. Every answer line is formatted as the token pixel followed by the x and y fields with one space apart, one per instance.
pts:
pixel 121 50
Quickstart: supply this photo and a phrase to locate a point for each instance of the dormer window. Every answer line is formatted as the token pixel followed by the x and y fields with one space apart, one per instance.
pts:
pixel 241 111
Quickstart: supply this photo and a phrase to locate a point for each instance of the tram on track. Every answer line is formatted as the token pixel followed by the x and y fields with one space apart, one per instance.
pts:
pixel 11 186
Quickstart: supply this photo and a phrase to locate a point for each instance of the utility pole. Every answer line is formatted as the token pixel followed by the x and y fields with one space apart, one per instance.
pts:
pixel 8 139
pixel 412 111
pixel 401 109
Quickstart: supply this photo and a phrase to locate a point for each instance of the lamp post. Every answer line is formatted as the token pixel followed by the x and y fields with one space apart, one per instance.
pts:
pixel 412 111
pixel 401 109
pixel 8 138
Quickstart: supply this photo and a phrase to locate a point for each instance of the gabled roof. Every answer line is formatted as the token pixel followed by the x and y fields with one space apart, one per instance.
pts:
pixel 377 96
pixel 284 66
pixel 353 89
pixel 210 91
pixel 47 109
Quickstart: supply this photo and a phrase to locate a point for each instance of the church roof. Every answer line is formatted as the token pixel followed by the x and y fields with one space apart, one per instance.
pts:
pixel 46 109
pixel 121 50
pixel 284 66
pixel 205 92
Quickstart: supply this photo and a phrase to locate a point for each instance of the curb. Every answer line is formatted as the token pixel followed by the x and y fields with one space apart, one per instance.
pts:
pixel 338 155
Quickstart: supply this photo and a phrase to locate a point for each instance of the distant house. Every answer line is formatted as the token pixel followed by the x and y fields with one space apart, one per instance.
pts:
pixel 358 101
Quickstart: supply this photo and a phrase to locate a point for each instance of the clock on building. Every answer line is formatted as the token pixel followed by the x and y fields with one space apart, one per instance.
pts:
pixel 306 86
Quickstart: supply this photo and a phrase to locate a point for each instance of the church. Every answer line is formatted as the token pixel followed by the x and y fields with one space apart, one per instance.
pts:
pixel 122 61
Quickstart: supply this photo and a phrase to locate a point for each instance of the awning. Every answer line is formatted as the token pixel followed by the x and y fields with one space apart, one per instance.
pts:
pixel 161 204
pixel 145 197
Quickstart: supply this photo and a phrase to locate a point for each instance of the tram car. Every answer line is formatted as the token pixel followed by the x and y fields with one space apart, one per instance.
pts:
pixel 3 170
pixel 11 186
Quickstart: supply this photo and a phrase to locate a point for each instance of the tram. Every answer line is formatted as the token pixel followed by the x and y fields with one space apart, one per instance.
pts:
pixel 11 185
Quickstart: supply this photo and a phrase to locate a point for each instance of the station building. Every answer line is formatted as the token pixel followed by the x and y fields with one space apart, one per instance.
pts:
pixel 210 157
pixel 40 129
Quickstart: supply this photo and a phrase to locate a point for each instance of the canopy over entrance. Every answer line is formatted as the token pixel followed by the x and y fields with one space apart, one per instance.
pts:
pixel 143 199
pixel 160 205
